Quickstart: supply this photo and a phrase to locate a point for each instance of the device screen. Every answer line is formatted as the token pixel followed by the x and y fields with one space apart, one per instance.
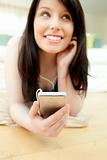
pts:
pixel 49 104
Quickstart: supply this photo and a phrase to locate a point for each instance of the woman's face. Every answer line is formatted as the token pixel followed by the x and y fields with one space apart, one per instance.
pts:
pixel 53 26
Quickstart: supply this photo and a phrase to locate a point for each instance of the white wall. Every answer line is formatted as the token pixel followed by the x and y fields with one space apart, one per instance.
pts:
pixel 12 20
pixel 106 31
pixel 97 25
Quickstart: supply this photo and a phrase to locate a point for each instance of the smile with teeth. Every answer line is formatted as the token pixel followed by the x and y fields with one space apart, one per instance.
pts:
pixel 53 38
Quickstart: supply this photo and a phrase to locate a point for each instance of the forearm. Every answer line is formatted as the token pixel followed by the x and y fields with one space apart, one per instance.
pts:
pixel 50 126
pixel 73 98
pixel 20 114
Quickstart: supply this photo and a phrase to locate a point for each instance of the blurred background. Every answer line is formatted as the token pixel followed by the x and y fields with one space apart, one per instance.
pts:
pixel 13 14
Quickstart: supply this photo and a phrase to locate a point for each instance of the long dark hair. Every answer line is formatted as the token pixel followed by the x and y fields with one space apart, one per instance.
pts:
pixel 28 61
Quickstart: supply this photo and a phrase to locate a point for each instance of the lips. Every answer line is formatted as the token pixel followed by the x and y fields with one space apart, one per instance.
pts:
pixel 54 38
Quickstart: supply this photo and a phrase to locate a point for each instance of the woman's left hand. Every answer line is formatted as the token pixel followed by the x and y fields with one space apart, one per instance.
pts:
pixel 65 57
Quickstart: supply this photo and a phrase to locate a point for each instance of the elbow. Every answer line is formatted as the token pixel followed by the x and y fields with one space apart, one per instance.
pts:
pixel 11 111
pixel 75 111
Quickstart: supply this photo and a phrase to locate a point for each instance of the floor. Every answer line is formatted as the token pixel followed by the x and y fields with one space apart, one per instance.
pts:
pixel 88 143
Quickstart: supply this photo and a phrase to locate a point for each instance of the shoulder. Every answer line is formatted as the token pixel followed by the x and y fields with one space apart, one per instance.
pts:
pixel 12 76
pixel 12 49
pixel 12 54
pixel 13 43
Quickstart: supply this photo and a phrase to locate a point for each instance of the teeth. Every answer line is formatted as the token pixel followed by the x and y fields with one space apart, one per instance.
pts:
pixel 53 38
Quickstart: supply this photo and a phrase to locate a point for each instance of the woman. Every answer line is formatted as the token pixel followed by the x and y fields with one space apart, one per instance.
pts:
pixel 51 55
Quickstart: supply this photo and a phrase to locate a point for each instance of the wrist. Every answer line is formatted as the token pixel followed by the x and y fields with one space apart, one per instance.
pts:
pixel 62 72
pixel 62 83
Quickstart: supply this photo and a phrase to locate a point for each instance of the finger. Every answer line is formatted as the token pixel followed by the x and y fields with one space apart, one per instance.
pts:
pixel 74 38
pixel 73 43
pixel 34 109
pixel 57 116
pixel 56 129
pixel 68 105
pixel 61 122
pixel 73 46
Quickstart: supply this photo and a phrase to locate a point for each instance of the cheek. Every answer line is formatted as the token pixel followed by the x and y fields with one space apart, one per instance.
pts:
pixel 38 28
pixel 70 30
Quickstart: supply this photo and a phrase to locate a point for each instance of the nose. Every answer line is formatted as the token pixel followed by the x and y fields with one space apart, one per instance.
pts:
pixel 55 25
pixel 55 28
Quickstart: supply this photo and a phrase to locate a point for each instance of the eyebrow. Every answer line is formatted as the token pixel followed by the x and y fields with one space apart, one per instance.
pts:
pixel 44 8
pixel 50 8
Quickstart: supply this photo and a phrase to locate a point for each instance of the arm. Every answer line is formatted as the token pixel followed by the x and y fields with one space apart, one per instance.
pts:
pixel 73 98
pixel 64 82
pixel 19 111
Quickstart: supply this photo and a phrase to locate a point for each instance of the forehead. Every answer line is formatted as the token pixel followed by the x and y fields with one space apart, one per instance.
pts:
pixel 52 4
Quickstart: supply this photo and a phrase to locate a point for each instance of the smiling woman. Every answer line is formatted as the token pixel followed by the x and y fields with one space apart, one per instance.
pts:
pixel 58 27
pixel 53 44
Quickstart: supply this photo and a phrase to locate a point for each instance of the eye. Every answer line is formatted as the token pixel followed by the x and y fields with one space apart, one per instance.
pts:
pixel 66 17
pixel 45 14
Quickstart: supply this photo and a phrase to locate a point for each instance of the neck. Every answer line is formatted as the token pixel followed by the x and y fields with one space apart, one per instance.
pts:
pixel 48 66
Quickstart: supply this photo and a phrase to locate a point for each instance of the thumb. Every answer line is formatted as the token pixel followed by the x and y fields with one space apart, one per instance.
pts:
pixel 34 109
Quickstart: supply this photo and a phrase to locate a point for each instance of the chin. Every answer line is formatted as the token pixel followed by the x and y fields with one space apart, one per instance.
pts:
pixel 54 50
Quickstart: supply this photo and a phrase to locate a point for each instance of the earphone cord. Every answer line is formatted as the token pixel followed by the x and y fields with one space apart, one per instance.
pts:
pixel 51 82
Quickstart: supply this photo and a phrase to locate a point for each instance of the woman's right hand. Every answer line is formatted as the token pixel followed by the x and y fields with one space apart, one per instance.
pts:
pixel 50 126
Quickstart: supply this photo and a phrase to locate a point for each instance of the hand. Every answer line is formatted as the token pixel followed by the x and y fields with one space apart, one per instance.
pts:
pixel 65 57
pixel 50 126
